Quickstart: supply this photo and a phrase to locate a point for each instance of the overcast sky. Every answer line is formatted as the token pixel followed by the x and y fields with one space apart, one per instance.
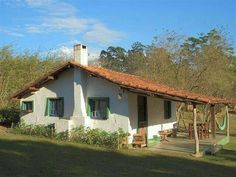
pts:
pixel 58 24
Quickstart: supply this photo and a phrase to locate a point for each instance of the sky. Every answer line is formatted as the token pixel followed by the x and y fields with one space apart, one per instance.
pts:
pixel 56 25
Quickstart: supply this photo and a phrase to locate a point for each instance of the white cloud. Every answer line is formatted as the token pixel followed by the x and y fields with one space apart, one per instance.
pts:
pixel 72 25
pixel 33 29
pixel 11 32
pixel 101 34
pixel 38 3
pixel 61 17
pixel 67 53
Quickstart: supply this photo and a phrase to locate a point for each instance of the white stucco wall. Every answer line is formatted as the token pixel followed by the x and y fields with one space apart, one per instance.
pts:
pixel 61 87
pixel 80 90
pixel 155 115
pixel 76 86
pixel 156 121
pixel 118 117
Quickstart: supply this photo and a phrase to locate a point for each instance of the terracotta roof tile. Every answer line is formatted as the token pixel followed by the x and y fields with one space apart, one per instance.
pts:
pixel 132 82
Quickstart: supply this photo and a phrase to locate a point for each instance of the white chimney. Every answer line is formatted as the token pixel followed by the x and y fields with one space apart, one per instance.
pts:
pixel 81 54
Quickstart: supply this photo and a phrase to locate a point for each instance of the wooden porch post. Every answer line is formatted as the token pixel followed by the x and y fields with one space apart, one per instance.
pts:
pixel 227 114
pixel 197 152
pixel 213 123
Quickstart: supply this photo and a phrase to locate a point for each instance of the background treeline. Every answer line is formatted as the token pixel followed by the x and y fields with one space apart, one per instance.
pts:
pixel 16 70
pixel 204 64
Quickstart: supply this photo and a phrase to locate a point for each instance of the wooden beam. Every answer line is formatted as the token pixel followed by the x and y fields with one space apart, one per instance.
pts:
pixel 33 89
pixel 227 114
pixel 197 152
pixel 51 77
pixel 162 96
pixel 213 122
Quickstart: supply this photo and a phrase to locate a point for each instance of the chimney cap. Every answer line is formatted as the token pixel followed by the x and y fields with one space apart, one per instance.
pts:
pixel 80 45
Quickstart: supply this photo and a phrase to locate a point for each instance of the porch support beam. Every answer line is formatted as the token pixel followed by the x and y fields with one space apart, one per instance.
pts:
pixel 197 151
pixel 213 123
pixel 227 114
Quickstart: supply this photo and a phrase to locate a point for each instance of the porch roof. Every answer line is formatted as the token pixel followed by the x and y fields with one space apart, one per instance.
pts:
pixel 127 81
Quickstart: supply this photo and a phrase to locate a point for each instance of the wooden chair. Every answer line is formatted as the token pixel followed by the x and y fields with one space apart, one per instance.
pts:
pixel 190 130
pixel 140 139
pixel 206 130
pixel 202 130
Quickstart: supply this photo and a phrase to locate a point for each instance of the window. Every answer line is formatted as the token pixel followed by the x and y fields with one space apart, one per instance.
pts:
pixel 27 106
pixel 98 108
pixel 167 109
pixel 55 107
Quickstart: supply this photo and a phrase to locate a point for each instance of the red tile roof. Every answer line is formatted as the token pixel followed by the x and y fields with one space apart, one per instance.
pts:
pixel 132 83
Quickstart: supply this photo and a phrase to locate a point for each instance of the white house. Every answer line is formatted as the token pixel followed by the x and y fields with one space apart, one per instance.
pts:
pixel 77 94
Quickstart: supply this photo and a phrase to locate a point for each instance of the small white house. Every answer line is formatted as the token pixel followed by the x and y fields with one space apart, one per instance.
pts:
pixel 77 94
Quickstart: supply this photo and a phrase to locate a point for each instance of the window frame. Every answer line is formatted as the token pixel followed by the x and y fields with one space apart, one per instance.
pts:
pixel 23 105
pixel 107 111
pixel 59 113
pixel 167 109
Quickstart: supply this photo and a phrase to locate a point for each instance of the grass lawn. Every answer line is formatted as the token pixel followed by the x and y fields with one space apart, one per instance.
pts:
pixel 25 156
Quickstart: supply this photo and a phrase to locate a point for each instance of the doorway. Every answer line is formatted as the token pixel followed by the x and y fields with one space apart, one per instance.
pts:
pixel 142 115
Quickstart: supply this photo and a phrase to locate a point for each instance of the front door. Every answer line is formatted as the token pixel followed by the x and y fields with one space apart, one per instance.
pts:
pixel 142 115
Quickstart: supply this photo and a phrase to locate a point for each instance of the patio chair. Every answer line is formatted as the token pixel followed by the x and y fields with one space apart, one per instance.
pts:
pixel 140 139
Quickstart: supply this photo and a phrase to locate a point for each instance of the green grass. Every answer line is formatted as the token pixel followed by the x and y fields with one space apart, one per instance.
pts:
pixel 25 156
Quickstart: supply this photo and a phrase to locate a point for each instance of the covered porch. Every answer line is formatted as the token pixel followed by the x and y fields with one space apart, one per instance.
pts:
pixel 197 146
pixel 182 143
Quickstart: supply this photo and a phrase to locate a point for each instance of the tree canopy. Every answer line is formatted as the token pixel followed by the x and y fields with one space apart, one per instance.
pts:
pixel 203 64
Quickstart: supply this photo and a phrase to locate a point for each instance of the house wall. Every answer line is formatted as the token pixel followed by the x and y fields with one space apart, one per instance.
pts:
pixel 156 121
pixel 80 96
pixel 119 114
pixel 62 87
pixel 76 86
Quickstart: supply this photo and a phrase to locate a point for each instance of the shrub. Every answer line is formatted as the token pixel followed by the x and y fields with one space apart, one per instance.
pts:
pixel 9 115
pixel 81 134
pixel 97 137
pixel 37 130
pixel 62 136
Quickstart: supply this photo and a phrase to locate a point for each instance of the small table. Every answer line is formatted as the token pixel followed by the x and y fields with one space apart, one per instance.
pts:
pixel 164 134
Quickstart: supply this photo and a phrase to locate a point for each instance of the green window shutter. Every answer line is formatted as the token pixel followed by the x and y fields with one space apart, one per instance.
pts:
pixel 33 106
pixel 88 108
pixel 47 107
pixel 107 108
pixel 22 105
pixel 61 107
pixel 167 109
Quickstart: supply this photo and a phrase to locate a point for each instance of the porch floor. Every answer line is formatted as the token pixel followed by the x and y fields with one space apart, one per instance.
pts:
pixel 183 144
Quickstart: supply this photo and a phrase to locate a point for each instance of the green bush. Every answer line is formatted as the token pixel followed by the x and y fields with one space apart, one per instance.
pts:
pixel 62 136
pixel 81 134
pixel 9 115
pixel 97 137
pixel 36 130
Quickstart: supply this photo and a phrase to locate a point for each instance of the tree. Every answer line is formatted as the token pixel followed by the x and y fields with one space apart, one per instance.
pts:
pixel 114 58
pixel 16 70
